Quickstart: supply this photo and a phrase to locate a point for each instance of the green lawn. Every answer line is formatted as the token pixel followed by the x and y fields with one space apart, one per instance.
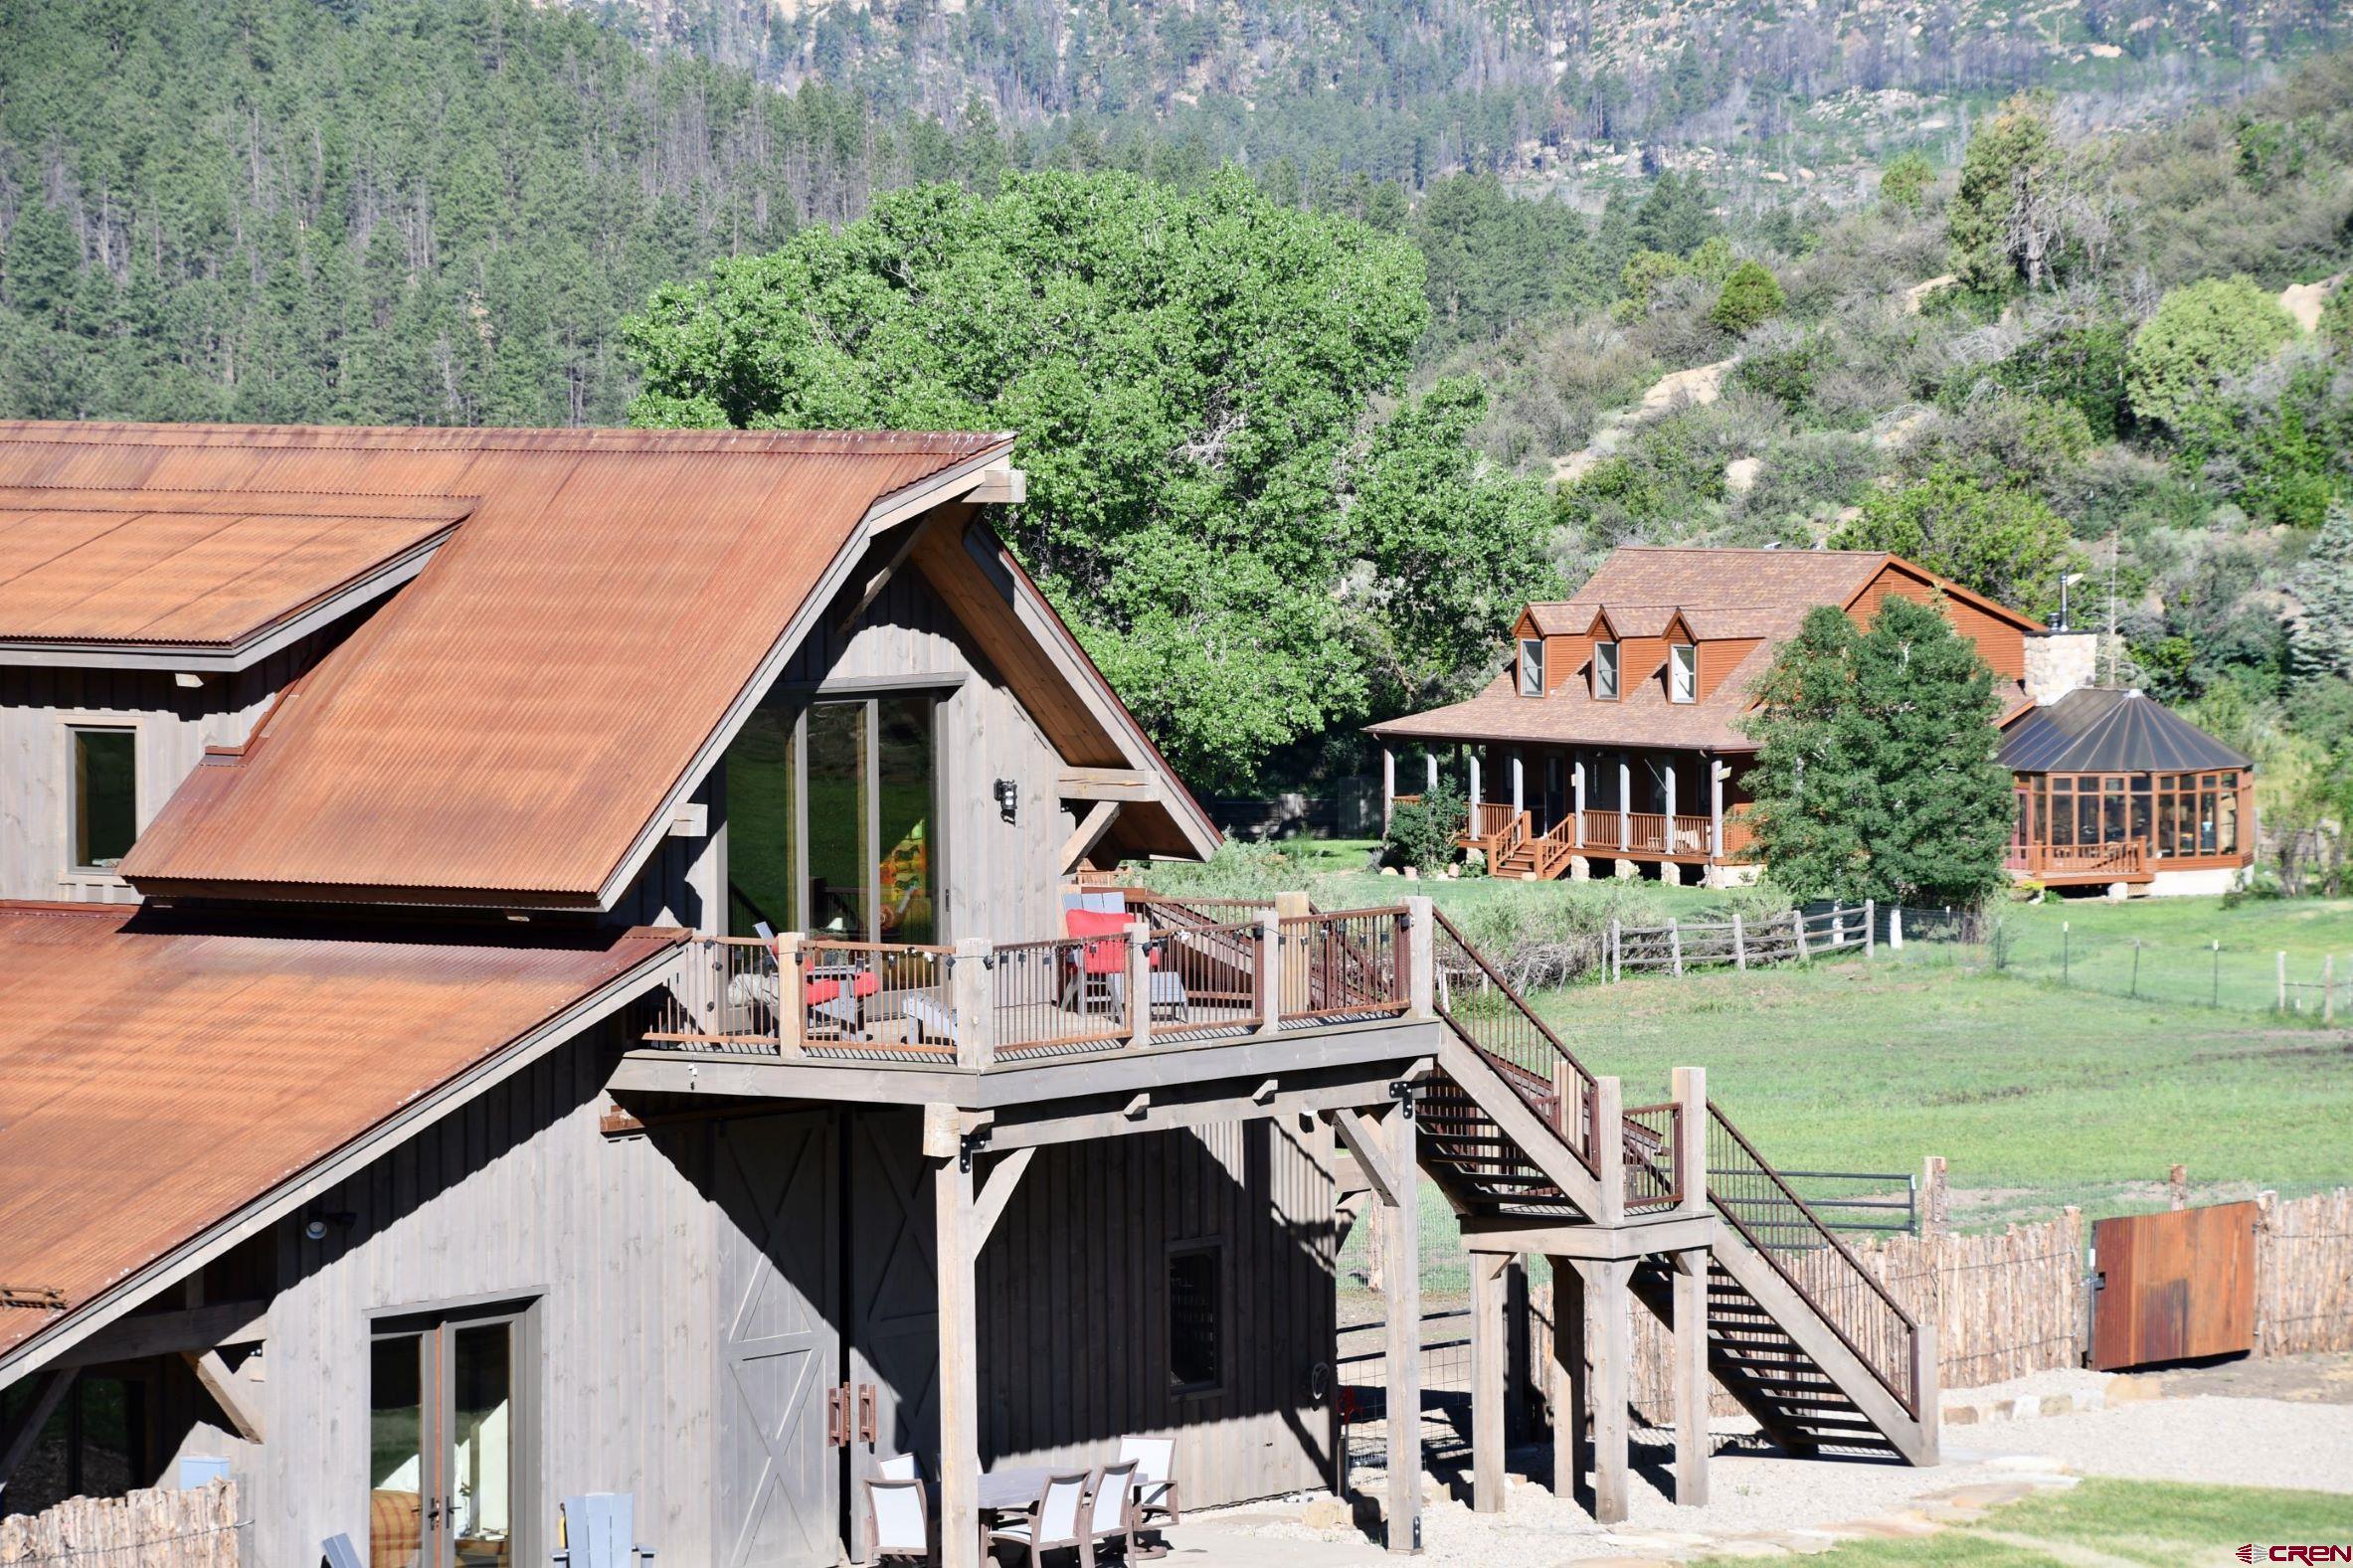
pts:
pixel 2195 950
pixel 2102 1523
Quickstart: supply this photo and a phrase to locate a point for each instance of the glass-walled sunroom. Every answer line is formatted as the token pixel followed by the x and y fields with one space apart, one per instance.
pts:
pixel 2131 821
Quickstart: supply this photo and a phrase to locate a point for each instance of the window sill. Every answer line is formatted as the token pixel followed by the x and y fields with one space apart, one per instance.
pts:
pixel 92 879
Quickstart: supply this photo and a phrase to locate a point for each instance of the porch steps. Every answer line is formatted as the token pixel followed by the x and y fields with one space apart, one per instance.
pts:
pixel 1798 1332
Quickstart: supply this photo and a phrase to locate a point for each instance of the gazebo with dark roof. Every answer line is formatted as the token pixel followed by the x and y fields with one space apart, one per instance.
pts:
pixel 2113 787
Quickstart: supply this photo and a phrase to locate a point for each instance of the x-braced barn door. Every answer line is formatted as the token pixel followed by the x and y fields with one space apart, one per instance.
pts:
pixel 780 1479
pixel 894 1296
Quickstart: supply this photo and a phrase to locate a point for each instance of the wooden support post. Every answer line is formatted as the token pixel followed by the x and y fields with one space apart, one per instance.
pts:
pixel 1429 769
pixel 1518 784
pixel 1609 1150
pixel 1617 960
pixel 1516 1389
pixel 2281 1005
pixel 1266 984
pixel 212 1371
pixel 1895 927
pixel 1797 932
pixel 972 986
pixel 1613 1364
pixel 1625 807
pixel 1573 1381
pixel 2177 1187
pixel 1935 1198
pixel 1715 773
pixel 1571 1126
pixel 1739 943
pixel 1389 784
pixel 1402 1214
pixel 1691 1378
pixel 49 1391
pixel 1487 1341
pixel 1579 833
pixel 1927 1382
pixel 792 1008
pixel 960 1380
pixel 1472 753
pixel 1690 1088
pixel 1139 986
pixel 1870 928
pixel 1675 946
pixel 1421 956
pixel 1296 952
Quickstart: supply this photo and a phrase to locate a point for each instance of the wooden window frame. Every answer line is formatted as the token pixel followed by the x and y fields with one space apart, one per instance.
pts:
pixel 1617 672
pixel 1679 657
pixel 531 1537
pixel 71 726
pixel 1216 1247
pixel 1531 657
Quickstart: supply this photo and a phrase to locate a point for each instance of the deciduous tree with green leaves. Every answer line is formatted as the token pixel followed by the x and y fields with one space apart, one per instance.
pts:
pixel 2000 540
pixel 1874 774
pixel 2201 333
pixel 1245 550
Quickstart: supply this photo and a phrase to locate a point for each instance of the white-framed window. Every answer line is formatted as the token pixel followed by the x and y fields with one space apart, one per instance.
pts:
pixel 1531 666
pixel 1606 672
pixel 103 804
pixel 1683 672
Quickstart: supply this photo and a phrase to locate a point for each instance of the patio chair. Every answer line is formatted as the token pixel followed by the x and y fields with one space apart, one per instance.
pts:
pixel 898 1520
pixel 933 1018
pixel 337 1551
pixel 1111 1509
pixel 1051 1524
pixel 1155 1486
pixel 599 1530
pixel 899 1467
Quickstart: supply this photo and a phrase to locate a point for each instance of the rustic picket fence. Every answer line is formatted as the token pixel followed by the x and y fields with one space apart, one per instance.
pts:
pixel 196 1529
pixel 2304 1274
pixel 1682 946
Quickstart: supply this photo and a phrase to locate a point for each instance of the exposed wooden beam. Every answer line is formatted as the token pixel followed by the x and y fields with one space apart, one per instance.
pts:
pixel 1364 1142
pixel 213 1372
pixel 890 568
pixel 996 1193
pixel 1001 485
pixel 46 1395
pixel 960 1376
pixel 171 1333
pixel 1191 1107
pixel 1106 783
pixel 1088 833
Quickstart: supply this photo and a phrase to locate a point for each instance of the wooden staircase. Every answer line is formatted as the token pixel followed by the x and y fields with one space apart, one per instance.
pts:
pixel 1798 1332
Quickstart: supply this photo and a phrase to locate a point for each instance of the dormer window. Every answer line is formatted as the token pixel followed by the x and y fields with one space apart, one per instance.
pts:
pixel 1531 666
pixel 1606 672
pixel 1683 672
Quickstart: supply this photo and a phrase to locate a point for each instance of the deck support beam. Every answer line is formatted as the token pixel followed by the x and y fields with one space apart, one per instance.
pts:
pixel 1401 1213
pixel 1690 1377
pixel 1613 1358
pixel 956 1223
pixel 1571 1379
pixel 1490 1347
pixel 48 1393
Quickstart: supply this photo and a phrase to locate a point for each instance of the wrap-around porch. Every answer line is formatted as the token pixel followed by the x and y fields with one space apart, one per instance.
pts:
pixel 1549 811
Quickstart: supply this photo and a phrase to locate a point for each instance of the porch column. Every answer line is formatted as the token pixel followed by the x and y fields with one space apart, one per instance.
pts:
pixel 1716 772
pixel 1389 784
pixel 1490 1339
pixel 1472 751
pixel 1429 761
pixel 1613 1359
pixel 1625 809
pixel 1401 1247
pixel 1578 766
pixel 959 1382
pixel 1572 1380
pixel 1518 782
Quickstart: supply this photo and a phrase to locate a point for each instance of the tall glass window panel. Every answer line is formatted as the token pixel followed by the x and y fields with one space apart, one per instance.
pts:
pixel 763 821
pixel 840 852
pixel 105 797
pixel 2062 812
pixel 482 1494
pixel 1683 672
pixel 906 886
pixel 2226 836
pixel 1606 672
pixel 396 1451
pixel 1531 666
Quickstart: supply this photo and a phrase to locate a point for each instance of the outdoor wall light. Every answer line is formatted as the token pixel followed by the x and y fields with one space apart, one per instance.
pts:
pixel 1008 798
pixel 315 1227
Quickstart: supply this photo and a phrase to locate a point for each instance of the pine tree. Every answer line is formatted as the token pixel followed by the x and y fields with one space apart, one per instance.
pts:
pixel 1874 774
pixel 2322 648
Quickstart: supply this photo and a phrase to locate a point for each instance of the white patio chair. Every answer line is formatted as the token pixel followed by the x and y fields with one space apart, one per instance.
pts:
pixel 898 1520
pixel 599 1530
pixel 1155 1487
pixel 899 1467
pixel 1052 1524
pixel 1111 1509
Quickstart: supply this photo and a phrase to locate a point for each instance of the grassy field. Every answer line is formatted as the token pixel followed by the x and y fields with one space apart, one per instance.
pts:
pixel 2194 951
pixel 2103 1523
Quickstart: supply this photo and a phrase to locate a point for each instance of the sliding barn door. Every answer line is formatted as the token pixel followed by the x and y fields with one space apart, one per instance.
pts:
pixel 894 1295
pixel 780 1479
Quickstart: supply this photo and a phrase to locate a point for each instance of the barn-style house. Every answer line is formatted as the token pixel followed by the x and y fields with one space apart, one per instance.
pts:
pixel 538 963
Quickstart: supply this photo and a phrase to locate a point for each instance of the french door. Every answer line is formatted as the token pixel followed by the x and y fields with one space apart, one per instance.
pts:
pixel 445 1429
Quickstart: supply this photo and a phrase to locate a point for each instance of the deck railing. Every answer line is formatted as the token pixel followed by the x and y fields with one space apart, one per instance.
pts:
pixel 1751 1197
pixel 1490 819
pixel 1653 1156
pixel 2122 860
pixel 1480 1007
pixel 1174 978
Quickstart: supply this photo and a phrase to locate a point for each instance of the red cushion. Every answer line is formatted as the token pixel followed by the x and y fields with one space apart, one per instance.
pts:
pixel 863 983
pixel 1094 923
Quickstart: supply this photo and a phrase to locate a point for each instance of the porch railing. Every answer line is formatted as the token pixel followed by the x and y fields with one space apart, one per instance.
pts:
pixel 1654 1155
pixel 1481 1006
pixel 1491 819
pixel 2124 859
pixel 1172 979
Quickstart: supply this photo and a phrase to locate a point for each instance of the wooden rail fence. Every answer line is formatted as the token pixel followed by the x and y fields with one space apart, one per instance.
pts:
pixel 198 1528
pixel 1680 946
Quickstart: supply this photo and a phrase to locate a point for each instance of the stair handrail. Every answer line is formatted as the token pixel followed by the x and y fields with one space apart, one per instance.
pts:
pixel 1902 1385
pixel 1562 1056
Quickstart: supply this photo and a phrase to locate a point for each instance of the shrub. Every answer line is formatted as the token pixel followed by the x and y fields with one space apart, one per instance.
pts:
pixel 1422 832
pixel 1904 182
pixel 1749 297
pixel 2201 334
pixel 2081 367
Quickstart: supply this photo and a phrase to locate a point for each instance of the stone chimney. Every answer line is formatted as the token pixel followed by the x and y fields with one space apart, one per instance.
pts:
pixel 2058 662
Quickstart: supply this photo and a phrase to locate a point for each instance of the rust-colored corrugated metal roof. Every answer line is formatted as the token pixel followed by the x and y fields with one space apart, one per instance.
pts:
pixel 157 1075
pixel 183 569
pixel 508 727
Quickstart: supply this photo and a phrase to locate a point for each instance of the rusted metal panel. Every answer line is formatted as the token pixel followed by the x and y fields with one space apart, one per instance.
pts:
pixel 555 667
pixel 2173 1286
pixel 156 1075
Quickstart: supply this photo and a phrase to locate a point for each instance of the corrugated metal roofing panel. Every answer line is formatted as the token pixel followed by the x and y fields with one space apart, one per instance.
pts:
pixel 2109 730
pixel 506 728
pixel 155 1076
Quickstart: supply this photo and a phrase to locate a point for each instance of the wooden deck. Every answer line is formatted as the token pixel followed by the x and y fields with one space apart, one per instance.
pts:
pixel 1515 843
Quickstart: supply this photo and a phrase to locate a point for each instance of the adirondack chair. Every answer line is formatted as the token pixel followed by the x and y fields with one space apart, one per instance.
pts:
pixel 337 1551
pixel 599 1530
pixel 1101 970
